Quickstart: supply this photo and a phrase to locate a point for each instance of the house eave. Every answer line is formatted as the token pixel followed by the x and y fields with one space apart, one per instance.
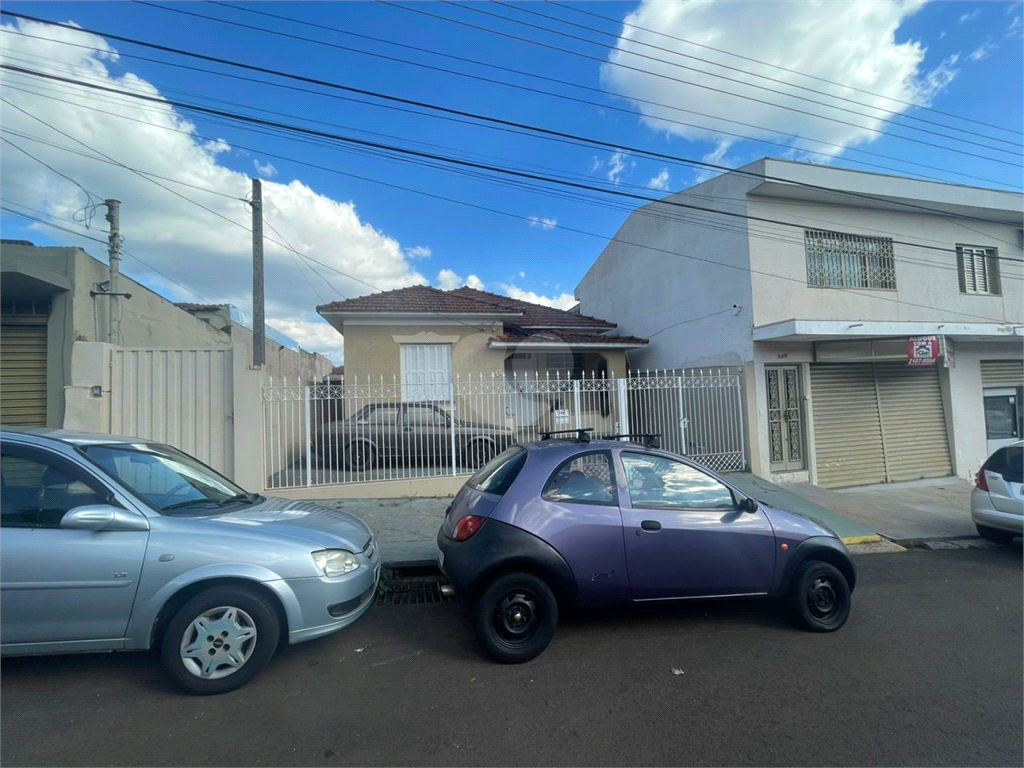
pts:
pixel 559 345
pixel 824 330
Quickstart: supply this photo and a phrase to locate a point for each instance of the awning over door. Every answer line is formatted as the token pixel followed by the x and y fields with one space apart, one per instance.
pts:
pixel 876 423
pixel 23 370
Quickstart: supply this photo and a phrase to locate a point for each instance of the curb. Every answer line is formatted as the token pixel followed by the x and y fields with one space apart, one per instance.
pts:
pixel 871 538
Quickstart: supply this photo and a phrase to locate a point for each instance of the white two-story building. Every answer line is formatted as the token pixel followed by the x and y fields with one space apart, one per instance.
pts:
pixel 821 284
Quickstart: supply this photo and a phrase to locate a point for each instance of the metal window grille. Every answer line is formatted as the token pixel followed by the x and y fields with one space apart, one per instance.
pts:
pixel 979 270
pixel 837 260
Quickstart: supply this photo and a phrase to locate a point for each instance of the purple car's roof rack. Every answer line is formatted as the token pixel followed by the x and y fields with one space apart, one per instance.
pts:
pixel 582 435
pixel 648 439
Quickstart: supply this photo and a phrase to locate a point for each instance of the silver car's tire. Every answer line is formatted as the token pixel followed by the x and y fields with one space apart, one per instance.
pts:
pixel 994 534
pixel 219 640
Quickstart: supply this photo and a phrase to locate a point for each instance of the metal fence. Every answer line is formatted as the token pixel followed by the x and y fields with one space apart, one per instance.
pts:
pixel 365 431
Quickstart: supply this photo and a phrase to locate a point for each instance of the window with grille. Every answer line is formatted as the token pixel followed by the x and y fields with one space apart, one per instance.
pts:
pixel 837 260
pixel 979 269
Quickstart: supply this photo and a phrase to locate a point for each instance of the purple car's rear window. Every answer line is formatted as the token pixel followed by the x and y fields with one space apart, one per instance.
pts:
pixel 497 475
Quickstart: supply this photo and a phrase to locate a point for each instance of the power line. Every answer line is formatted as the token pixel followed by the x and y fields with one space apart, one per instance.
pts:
pixel 703 86
pixel 573 196
pixel 578 9
pixel 674 253
pixel 299 264
pixel 1015 144
pixel 612 107
pixel 741 171
pixel 433 156
pixel 50 224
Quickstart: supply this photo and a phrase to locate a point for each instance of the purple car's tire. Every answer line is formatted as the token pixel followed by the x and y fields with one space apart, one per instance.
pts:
pixel 819 597
pixel 240 632
pixel 515 617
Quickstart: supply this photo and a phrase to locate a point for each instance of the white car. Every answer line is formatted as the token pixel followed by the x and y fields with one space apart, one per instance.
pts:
pixel 997 501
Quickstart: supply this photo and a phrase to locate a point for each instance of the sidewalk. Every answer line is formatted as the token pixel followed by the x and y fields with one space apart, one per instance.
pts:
pixel 407 528
pixel 921 509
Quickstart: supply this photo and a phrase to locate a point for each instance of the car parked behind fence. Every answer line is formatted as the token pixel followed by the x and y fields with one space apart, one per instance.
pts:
pixel 385 433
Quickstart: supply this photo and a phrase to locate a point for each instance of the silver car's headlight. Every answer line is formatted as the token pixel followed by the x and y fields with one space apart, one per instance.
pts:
pixel 335 562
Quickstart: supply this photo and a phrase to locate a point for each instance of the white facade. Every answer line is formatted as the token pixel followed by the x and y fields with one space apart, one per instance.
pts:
pixel 733 286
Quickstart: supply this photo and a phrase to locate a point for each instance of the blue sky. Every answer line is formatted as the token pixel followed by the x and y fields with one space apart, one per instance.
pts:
pixel 964 57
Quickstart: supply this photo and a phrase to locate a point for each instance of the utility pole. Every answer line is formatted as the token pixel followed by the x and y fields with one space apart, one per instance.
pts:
pixel 114 253
pixel 259 344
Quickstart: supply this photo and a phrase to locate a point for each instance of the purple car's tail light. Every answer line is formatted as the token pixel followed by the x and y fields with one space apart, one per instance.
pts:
pixel 467 526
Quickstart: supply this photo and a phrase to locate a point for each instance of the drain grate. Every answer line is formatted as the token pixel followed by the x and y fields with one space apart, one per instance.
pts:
pixel 415 590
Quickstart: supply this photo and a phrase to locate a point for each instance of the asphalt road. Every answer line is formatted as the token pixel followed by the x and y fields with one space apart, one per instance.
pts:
pixel 928 671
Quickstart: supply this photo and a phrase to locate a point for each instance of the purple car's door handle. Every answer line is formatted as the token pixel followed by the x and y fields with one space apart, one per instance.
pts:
pixel 650 525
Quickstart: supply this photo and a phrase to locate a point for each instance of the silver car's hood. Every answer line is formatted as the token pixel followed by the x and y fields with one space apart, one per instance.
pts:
pixel 307 520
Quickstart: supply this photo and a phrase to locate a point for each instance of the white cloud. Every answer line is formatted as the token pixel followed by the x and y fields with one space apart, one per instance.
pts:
pixel 193 246
pixel 418 252
pixel 659 182
pixel 618 164
pixel 1014 26
pixel 982 52
pixel 536 221
pixel 522 275
pixel 266 170
pixel 853 42
pixel 561 301
pixel 449 280
pixel 970 16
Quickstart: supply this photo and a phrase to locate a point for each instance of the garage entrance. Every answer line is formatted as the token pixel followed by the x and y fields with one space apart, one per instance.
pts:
pixel 877 423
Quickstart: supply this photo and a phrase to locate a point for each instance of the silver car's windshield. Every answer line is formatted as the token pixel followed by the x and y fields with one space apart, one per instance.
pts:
pixel 165 478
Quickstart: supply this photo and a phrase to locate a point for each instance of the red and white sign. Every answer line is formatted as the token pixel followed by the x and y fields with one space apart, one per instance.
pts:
pixel 922 350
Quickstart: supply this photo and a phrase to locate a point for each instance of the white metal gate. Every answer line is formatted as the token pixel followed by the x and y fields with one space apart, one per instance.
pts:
pixel 364 431
pixel 179 397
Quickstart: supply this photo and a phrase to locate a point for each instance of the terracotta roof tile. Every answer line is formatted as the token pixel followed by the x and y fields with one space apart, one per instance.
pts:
pixel 189 307
pixel 568 337
pixel 416 298
pixel 535 315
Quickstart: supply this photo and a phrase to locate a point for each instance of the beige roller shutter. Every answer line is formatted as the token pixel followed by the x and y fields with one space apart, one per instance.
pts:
pixel 913 422
pixel 847 429
pixel 23 370
pixel 1002 373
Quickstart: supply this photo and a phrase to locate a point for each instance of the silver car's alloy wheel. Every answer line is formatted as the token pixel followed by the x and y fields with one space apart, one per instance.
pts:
pixel 218 642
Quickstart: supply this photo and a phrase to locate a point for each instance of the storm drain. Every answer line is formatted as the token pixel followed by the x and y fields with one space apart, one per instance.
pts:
pixel 413 590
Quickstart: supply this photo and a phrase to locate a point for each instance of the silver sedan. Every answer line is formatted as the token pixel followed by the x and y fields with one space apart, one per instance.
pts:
pixel 114 543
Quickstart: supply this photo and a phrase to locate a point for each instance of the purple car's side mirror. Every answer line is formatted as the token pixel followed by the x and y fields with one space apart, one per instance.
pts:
pixel 747 505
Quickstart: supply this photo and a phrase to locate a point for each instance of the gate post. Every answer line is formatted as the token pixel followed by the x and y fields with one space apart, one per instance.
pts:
pixel 739 407
pixel 576 402
pixel 309 441
pixel 451 424
pixel 623 407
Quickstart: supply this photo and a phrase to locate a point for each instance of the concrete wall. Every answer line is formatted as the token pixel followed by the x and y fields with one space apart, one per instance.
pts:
pixel 926 280
pixel 963 398
pixel 647 289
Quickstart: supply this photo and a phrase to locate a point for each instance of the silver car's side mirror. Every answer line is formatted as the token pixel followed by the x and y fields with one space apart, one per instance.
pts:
pixel 103 517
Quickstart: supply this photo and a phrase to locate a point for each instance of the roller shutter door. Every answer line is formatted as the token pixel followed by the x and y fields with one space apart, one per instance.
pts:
pixel 876 423
pixel 1002 373
pixel 847 428
pixel 913 422
pixel 23 370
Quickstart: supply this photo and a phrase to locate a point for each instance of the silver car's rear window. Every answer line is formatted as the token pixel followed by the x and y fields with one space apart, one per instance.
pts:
pixel 497 475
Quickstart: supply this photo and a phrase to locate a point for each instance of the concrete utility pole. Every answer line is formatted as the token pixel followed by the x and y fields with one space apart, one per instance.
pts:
pixel 259 343
pixel 114 253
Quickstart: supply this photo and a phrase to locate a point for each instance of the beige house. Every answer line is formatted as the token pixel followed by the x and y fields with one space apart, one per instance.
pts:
pixel 424 341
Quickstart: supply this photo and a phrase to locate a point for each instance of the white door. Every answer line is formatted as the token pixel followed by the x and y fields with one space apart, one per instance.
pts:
pixel 426 372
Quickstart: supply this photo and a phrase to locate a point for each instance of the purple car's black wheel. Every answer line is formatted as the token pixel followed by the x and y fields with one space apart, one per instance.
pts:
pixel 515 617
pixel 820 597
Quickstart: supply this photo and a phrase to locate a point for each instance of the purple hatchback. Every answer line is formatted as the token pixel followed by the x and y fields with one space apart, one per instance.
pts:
pixel 571 521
